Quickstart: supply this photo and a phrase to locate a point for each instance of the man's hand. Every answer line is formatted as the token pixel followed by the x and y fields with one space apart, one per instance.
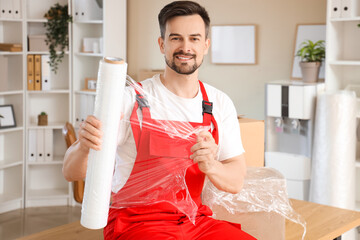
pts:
pixel 90 134
pixel 205 152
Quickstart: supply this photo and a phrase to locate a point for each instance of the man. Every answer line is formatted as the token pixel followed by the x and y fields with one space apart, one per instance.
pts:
pixel 217 153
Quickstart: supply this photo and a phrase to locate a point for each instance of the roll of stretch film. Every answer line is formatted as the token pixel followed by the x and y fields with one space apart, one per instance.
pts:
pixel 109 94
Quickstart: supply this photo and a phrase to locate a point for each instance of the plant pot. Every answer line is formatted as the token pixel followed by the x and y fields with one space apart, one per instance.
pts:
pixel 42 120
pixel 310 71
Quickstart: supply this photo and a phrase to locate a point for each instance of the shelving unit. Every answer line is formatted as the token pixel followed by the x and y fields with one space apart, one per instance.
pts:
pixel 25 182
pixel 12 92
pixel 342 66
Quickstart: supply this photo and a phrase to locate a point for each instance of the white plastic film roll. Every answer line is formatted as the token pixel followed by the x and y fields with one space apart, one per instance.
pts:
pixel 109 94
pixel 333 166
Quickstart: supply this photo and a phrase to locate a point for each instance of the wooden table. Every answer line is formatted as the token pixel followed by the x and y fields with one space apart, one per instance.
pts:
pixel 323 222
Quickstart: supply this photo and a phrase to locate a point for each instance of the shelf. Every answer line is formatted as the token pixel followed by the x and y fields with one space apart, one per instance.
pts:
pixel 345 63
pixel 11 19
pixel 8 163
pixel 345 19
pixel 89 21
pixel 11 92
pixel 48 193
pixel 51 125
pixel 10 53
pixel 42 20
pixel 44 52
pixel 9 197
pixel 89 54
pixel 86 92
pixel 15 129
pixel 58 160
pixel 62 91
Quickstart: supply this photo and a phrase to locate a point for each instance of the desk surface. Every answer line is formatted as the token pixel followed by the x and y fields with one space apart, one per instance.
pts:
pixel 323 222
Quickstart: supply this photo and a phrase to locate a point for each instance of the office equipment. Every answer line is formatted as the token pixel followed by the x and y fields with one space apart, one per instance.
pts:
pixel 16 7
pixel 30 72
pixel 290 112
pixel 37 72
pixel 48 145
pixel 40 145
pixel 32 145
pixel 335 8
pixel 45 73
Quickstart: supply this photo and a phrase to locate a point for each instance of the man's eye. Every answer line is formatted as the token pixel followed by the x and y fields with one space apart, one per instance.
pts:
pixel 175 39
pixel 196 39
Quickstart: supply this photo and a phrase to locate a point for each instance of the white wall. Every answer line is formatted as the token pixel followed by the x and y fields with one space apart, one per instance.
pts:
pixel 276 21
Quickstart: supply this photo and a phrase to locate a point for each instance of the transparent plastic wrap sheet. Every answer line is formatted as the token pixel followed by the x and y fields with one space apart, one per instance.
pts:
pixel 264 191
pixel 158 173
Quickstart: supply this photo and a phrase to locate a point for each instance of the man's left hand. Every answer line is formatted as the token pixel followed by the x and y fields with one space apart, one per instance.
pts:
pixel 205 152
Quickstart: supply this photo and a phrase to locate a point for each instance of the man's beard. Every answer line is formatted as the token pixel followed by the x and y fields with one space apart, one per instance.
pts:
pixel 184 68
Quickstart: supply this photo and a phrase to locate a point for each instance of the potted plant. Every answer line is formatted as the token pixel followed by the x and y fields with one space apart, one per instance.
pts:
pixel 311 54
pixel 43 119
pixel 57 33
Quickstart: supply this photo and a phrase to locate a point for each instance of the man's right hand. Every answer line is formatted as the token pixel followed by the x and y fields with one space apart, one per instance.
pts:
pixel 90 134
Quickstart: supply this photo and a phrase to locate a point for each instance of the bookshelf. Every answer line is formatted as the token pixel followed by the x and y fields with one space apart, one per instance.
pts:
pixel 24 181
pixel 342 66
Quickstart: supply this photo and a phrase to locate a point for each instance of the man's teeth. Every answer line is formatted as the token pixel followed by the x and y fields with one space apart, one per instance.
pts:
pixel 185 58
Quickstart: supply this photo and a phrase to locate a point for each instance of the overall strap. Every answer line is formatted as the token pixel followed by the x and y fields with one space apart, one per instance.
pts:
pixel 141 102
pixel 208 117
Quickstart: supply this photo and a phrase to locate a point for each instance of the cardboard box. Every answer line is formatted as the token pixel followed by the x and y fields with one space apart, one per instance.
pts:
pixel 37 43
pixel 145 74
pixel 253 140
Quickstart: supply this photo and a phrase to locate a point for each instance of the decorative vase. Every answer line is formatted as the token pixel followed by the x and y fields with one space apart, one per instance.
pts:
pixel 310 71
pixel 42 120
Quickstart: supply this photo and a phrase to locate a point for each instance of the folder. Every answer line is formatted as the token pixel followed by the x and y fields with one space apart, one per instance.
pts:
pixel 40 145
pixel 346 9
pixel 77 110
pixel 48 144
pixel 90 104
pixel 32 145
pixel 16 6
pixel 335 8
pixel 30 72
pixel 83 107
pixel 37 72
pixel 45 73
pixel 11 47
pixel 7 11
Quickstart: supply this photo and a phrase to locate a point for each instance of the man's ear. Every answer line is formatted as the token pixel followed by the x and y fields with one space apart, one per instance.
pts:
pixel 207 45
pixel 161 44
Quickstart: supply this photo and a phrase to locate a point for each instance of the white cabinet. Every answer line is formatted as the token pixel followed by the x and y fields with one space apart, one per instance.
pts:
pixel 343 55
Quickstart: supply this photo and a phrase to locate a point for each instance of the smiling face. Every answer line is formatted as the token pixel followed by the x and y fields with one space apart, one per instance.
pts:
pixel 184 44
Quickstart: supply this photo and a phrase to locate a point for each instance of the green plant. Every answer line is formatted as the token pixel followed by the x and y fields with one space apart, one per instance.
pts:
pixel 43 113
pixel 57 33
pixel 312 52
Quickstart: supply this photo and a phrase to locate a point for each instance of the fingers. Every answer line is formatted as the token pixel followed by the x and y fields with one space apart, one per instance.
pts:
pixel 90 133
pixel 205 135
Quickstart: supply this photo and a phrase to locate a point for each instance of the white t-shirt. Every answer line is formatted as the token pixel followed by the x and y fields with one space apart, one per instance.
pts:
pixel 165 105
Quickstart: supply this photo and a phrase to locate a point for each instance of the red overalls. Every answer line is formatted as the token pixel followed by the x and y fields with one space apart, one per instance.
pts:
pixel 169 156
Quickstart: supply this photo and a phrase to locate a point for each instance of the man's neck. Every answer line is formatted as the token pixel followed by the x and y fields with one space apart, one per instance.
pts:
pixel 186 86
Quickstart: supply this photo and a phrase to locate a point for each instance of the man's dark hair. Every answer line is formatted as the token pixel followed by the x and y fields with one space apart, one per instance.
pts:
pixel 182 8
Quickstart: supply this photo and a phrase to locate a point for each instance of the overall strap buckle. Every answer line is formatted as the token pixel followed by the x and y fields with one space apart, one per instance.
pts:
pixel 207 107
pixel 142 101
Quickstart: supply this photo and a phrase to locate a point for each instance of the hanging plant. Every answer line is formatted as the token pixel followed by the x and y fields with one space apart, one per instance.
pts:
pixel 57 33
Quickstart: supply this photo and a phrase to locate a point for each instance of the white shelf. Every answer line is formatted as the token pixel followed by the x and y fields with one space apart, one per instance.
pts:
pixel 89 54
pixel 51 125
pixel 48 193
pixel 11 20
pixel 8 163
pixel 44 52
pixel 10 53
pixel 345 63
pixel 42 20
pixel 89 21
pixel 61 91
pixel 9 197
pixel 345 19
pixel 11 92
pixel 86 92
pixel 55 161
pixel 15 129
